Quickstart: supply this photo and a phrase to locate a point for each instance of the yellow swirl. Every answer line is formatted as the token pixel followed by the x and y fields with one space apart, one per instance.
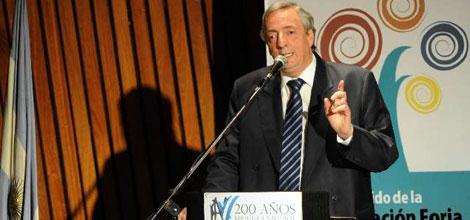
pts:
pixel 423 94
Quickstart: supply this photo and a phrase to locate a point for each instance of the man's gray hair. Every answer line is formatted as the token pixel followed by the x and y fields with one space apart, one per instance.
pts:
pixel 305 16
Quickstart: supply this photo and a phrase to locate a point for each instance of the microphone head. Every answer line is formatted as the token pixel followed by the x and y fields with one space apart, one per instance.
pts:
pixel 280 59
pixel 279 62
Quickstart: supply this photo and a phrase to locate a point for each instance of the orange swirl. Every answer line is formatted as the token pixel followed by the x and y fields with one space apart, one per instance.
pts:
pixel 398 22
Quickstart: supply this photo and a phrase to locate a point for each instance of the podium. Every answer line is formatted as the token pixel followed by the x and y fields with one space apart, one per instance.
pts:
pixel 263 205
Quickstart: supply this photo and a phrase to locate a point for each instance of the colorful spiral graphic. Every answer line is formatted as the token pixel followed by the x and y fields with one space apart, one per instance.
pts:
pixel 444 45
pixel 351 36
pixel 423 94
pixel 401 15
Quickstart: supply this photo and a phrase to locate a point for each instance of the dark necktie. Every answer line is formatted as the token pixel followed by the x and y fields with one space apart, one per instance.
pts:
pixel 289 179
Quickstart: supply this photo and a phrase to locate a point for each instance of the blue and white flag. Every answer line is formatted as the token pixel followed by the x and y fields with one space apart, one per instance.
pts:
pixel 18 175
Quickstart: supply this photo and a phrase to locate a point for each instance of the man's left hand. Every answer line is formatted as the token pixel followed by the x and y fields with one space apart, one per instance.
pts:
pixel 183 215
pixel 338 112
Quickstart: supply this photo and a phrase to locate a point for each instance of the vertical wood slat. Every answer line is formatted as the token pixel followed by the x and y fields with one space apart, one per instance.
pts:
pixel 77 98
pixel 170 110
pixel 46 198
pixel 48 146
pixel 4 54
pixel 200 55
pixel 42 178
pixel 6 22
pixel 122 90
pixel 97 114
pixel 116 168
pixel 166 71
pixel 184 76
pixel 133 119
pixel 208 11
pixel 151 100
pixel 9 6
pixel 63 115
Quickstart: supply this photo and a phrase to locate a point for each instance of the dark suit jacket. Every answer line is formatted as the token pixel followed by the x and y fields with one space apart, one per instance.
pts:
pixel 248 158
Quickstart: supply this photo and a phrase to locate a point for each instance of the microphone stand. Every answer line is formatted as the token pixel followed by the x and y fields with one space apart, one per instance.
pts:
pixel 171 206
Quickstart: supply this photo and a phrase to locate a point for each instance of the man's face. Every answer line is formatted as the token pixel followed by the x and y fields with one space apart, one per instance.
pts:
pixel 285 35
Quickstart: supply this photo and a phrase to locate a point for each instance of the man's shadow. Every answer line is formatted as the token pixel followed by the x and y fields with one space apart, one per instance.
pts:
pixel 137 180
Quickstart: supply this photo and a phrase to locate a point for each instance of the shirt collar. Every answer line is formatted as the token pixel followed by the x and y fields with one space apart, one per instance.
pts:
pixel 308 75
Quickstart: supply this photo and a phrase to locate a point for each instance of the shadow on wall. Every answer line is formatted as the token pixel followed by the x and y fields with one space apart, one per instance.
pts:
pixel 138 179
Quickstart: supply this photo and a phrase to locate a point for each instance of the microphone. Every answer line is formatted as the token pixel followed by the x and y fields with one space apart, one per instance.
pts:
pixel 279 62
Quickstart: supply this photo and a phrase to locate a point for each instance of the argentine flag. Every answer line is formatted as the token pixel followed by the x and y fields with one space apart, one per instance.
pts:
pixel 18 175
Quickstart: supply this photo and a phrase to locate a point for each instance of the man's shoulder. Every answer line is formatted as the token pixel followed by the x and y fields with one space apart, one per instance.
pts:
pixel 252 78
pixel 345 69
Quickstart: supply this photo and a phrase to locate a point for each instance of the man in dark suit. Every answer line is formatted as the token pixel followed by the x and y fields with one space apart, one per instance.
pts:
pixel 345 133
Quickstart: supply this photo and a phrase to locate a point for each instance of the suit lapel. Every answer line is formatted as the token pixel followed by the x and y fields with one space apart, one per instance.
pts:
pixel 317 124
pixel 270 107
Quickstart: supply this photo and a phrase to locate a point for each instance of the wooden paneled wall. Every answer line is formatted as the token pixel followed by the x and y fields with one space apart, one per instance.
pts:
pixel 126 92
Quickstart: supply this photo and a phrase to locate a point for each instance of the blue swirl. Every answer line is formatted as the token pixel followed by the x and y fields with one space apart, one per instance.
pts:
pixel 455 36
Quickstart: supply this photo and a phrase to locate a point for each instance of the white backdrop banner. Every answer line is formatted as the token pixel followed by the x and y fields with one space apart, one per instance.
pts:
pixel 418 51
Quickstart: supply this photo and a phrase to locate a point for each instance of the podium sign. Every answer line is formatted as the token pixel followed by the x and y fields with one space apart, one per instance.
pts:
pixel 256 205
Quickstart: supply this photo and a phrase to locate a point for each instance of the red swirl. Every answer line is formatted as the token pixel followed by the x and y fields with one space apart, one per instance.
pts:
pixel 351 20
